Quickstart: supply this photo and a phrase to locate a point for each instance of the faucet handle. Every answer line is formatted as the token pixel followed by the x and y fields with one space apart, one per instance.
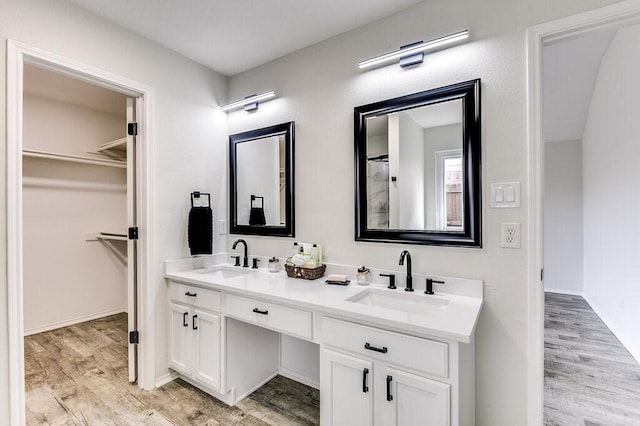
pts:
pixel 237 258
pixel 392 280
pixel 255 263
pixel 430 282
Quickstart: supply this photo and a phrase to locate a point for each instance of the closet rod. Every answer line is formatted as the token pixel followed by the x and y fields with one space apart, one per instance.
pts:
pixel 69 184
pixel 73 158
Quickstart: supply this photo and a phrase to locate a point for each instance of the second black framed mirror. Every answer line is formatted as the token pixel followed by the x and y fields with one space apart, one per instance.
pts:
pixel 261 181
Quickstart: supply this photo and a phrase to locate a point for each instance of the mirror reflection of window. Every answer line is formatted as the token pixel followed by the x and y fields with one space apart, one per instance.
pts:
pixel 449 194
pixel 405 181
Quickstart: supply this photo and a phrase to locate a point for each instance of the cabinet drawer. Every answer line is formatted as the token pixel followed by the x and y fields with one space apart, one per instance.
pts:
pixel 415 353
pixel 196 296
pixel 270 315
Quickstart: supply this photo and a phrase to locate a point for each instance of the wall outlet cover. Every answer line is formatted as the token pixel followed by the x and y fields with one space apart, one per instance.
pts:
pixel 222 227
pixel 510 235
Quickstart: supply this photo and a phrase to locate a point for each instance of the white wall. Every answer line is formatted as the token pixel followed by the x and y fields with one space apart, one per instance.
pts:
pixel 188 133
pixel 319 86
pixel 411 176
pixel 66 278
pixel 563 231
pixel 611 200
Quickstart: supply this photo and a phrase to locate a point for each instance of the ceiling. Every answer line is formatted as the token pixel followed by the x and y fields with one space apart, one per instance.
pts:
pixel 232 36
pixel 569 73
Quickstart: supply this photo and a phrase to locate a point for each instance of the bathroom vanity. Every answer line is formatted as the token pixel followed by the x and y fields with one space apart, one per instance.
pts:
pixel 386 356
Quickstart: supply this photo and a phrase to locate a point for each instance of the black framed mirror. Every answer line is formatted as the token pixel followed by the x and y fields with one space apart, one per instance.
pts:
pixel 261 181
pixel 417 164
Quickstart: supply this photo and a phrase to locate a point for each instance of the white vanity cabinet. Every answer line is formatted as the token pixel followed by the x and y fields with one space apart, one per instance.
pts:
pixel 382 378
pixel 195 329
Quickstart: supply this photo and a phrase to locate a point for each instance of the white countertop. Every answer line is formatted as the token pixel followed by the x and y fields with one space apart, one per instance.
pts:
pixel 456 321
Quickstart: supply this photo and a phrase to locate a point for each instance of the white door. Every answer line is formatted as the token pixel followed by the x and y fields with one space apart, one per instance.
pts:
pixel 346 389
pixel 206 365
pixel 180 335
pixel 132 261
pixel 412 400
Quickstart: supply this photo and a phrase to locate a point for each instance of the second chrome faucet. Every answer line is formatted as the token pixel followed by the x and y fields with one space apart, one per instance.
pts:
pixel 409 285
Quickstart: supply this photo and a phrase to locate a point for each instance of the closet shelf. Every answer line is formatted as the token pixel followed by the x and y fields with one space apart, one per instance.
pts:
pixel 116 149
pixel 110 236
pixel 73 158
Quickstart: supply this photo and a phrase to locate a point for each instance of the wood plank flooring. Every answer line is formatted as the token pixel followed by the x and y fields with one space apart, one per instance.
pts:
pixel 77 375
pixel 589 377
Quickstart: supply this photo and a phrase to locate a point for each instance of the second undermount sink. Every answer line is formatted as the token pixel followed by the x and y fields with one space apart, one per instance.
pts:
pixel 226 271
pixel 417 303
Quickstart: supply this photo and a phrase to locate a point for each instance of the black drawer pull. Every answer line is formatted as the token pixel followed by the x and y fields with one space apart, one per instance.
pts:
pixel 185 323
pixel 389 396
pixel 365 388
pixel 188 293
pixel 373 348
pixel 193 320
pixel 258 311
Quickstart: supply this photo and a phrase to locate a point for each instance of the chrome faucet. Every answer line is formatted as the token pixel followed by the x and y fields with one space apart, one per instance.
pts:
pixel 409 285
pixel 245 263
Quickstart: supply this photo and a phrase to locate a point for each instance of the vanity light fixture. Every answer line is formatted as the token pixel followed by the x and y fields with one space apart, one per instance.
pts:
pixel 413 53
pixel 250 103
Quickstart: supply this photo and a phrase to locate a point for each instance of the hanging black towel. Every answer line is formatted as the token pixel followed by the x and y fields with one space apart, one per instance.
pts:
pixel 200 231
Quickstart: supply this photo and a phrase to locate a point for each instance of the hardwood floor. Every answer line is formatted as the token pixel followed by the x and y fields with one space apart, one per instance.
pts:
pixel 590 378
pixel 77 375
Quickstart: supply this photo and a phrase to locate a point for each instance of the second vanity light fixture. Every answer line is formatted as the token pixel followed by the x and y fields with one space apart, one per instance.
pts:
pixel 412 54
pixel 250 103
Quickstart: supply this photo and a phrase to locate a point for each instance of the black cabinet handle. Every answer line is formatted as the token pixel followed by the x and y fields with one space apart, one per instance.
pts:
pixel 382 350
pixel 193 321
pixel 258 311
pixel 184 319
pixel 365 388
pixel 389 396
pixel 188 293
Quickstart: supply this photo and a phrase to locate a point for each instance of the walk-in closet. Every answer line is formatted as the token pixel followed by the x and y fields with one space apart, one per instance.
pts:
pixel 77 199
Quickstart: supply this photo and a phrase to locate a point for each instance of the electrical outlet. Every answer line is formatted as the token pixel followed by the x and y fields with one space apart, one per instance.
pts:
pixel 510 235
pixel 222 227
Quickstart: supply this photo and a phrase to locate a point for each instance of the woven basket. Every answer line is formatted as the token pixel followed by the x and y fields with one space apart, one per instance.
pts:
pixel 305 273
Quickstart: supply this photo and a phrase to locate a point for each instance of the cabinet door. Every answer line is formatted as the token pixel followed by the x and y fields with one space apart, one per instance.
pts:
pixel 180 338
pixel 412 400
pixel 206 362
pixel 346 389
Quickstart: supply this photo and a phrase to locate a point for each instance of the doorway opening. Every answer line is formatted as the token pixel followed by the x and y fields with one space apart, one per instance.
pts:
pixel 576 113
pixel 77 192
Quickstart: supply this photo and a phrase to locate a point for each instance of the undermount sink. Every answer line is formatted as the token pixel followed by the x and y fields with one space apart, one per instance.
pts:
pixel 417 303
pixel 226 271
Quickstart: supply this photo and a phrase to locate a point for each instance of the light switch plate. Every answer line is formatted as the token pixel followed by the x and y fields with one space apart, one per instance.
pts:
pixel 505 195
pixel 222 227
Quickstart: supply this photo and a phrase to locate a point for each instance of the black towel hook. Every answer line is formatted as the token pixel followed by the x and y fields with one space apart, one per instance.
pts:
pixel 197 195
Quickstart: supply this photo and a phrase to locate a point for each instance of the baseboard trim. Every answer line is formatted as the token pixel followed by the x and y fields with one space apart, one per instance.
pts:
pixel 167 378
pixel 256 387
pixel 296 377
pixel 567 292
pixel 73 321
pixel 606 322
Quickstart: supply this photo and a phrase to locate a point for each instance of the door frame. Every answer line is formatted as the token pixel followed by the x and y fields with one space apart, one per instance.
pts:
pixel 17 55
pixel 537 37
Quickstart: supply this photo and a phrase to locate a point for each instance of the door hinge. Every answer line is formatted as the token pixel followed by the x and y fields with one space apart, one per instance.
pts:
pixel 542 274
pixel 132 129
pixel 134 337
pixel 133 233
